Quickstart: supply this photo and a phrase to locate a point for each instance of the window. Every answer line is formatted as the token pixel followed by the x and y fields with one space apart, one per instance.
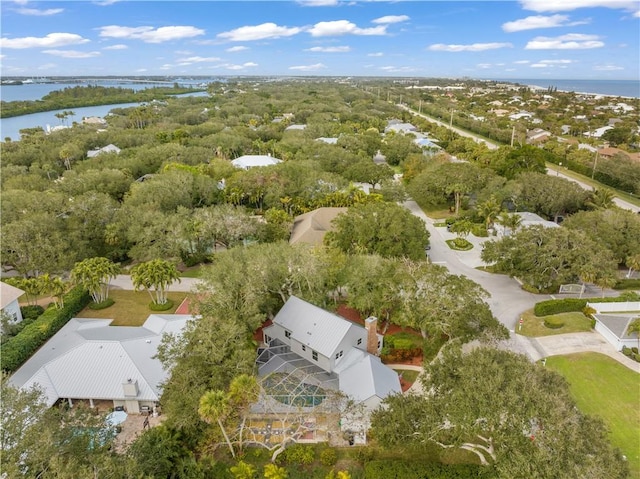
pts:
pixel 359 341
pixel 304 348
pixel 287 334
pixel 267 339
pixel 314 355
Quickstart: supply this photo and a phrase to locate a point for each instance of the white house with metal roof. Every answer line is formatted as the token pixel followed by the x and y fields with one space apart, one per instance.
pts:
pixel 613 320
pixel 9 301
pixel 251 161
pixel 339 349
pixel 90 360
pixel 110 148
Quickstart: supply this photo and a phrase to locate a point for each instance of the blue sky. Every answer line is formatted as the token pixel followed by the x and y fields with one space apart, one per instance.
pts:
pixel 528 39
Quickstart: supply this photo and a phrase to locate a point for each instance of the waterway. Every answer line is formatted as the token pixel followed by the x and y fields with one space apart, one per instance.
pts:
pixel 10 127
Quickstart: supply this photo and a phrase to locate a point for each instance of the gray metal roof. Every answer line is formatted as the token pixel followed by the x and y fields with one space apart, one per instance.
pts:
pixel 320 330
pixel 362 376
pixel 250 161
pixel 88 358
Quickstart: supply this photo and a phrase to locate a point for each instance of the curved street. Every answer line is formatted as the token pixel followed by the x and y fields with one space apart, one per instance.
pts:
pixel 508 300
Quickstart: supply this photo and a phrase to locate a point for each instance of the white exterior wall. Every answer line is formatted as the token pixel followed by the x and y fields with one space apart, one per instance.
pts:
pixel 349 341
pixel 13 309
pixel 608 335
pixel 615 307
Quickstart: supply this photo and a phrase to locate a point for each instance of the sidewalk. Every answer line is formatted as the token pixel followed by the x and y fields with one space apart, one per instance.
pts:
pixel 186 285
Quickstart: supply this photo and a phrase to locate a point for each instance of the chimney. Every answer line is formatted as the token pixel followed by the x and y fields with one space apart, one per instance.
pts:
pixel 371 325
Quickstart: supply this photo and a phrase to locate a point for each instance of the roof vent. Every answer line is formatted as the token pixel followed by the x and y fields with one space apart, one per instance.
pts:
pixel 148 341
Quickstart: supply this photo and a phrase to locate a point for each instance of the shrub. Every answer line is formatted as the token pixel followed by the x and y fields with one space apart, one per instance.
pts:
pixel 416 470
pixel 31 312
pixel 626 351
pixel 161 307
pixel 553 323
pixel 328 457
pixel 364 454
pixel 401 343
pixel 101 305
pixel 480 231
pixel 635 350
pixel 567 305
pixel 556 306
pixel 632 283
pixel 298 454
pixel 19 348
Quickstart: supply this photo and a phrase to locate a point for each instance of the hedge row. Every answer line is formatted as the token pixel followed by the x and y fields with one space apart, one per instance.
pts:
pixel 20 348
pixel 568 305
pixel 400 469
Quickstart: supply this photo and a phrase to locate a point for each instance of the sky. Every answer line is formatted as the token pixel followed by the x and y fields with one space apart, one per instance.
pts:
pixel 516 39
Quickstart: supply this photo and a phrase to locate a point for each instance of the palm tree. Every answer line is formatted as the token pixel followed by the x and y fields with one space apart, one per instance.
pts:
pixel 55 287
pixel 489 210
pixel 95 275
pixel 633 263
pixel 243 470
pixel 158 274
pixel 587 275
pixel 634 327
pixel 244 390
pixel 605 281
pixel 273 471
pixel 214 407
pixel 601 198
pixel 509 221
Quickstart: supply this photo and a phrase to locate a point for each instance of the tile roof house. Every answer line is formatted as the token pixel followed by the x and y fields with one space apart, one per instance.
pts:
pixel 106 149
pixel 90 360
pixel 339 348
pixel 9 301
pixel 311 227
pixel 251 161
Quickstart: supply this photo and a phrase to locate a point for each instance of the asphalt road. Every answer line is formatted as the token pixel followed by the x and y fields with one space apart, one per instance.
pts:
pixel 493 146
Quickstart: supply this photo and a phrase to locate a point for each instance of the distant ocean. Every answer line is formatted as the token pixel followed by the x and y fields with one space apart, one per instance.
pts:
pixel 628 88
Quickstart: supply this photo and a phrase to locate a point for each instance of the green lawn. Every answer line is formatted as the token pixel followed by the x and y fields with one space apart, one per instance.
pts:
pixel 131 308
pixel 195 271
pixel 533 325
pixel 603 387
pixel 409 375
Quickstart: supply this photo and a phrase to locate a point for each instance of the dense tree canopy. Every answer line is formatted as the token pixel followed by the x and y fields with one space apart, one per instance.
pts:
pixel 383 228
pixel 518 418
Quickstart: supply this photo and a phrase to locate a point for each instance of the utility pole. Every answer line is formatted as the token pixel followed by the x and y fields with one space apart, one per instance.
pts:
pixel 400 100
pixel 388 95
pixel 595 163
pixel 451 120
pixel 420 107
pixel 513 135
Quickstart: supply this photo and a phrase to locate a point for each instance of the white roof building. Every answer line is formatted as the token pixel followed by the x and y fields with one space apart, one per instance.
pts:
pixel 338 348
pixel 106 149
pixel 9 301
pixel 251 161
pixel 90 360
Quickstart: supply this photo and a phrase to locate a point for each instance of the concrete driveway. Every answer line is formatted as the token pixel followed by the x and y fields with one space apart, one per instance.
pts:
pixel 186 285
pixel 581 342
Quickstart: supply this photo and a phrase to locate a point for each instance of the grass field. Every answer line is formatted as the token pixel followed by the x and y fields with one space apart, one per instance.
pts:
pixel 131 308
pixel 603 387
pixel 533 325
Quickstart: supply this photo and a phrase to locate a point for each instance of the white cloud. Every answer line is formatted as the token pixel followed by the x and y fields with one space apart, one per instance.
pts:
pixel 238 48
pixel 329 49
pixel 344 27
pixel 484 66
pixel 71 53
pixel 568 5
pixel 375 54
pixel 240 67
pixel 51 40
pixel 116 47
pixel 391 19
pixel 474 47
pixel 39 13
pixel 556 62
pixel 394 69
pixel 636 14
pixel 318 3
pixel 521 62
pixel 106 3
pixel 607 68
pixel 535 21
pixel 150 34
pixel 191 60
pixel 539 65
pixel 259 32
pixel 308 68
pixel 570 41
